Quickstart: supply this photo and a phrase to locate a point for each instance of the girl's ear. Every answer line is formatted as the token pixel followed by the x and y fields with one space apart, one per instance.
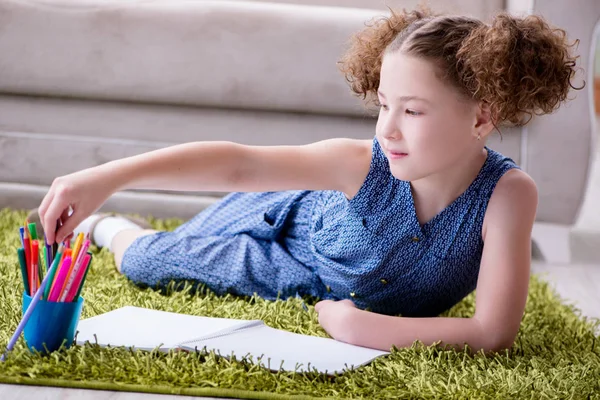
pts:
pixel 483 120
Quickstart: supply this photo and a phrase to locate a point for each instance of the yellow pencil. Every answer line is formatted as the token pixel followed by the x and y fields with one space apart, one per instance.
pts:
pixel 76 248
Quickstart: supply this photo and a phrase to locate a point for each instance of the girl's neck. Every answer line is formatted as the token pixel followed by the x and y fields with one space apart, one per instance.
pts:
pixel 434 193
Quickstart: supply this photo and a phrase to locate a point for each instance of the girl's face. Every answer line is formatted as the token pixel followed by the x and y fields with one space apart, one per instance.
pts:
pixel 424 127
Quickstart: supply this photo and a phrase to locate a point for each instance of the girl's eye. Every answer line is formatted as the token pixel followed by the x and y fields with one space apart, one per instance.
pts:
pixel 383 106
pixel 412 112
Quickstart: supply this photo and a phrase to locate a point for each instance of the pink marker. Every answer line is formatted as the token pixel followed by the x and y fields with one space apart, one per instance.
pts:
pixel 80 274
pixel 69 281
pixel 60 280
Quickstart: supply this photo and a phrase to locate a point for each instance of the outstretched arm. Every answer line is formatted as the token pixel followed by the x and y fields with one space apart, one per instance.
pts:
pixel 501 287
pixel 334 164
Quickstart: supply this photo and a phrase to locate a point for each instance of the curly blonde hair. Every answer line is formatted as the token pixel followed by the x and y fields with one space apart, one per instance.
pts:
pixel 519 66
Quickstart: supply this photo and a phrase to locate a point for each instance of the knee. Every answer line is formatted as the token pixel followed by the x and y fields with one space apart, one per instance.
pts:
pixel 141 261
pixel 124 239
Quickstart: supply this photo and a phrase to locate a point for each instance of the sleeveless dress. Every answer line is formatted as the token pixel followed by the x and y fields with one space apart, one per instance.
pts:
pixel 370 249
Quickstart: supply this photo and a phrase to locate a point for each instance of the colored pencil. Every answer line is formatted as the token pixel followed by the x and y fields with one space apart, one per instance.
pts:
pixel 22 236
pixel 23 265
pixel 66 253
pixel 44 262
pixel 74 270
pixel 77 247
pixel 27 248
pixel 41 262
pixel 35 256
pixel 74 254
pixel 49 254
pixel 32 230
pixel 87 269
pixel 60 280
pixel 75 287
pixel 55 244
pixel 53 270
pixel 26 316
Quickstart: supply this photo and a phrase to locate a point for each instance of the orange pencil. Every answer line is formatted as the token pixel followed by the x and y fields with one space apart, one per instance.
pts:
pixel 75 251
pixel 65 254
pixel 74 270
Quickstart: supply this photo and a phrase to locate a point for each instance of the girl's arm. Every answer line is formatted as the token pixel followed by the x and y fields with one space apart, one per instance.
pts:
pixel 501 288
pixel 335 164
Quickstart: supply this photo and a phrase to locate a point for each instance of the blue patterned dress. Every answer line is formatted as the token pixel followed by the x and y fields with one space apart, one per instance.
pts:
pixel 370 249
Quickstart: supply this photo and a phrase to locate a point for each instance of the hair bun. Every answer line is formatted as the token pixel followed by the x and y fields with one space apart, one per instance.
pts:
pixel 520 66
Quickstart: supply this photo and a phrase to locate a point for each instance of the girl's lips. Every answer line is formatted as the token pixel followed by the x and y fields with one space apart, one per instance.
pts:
pixel 397 155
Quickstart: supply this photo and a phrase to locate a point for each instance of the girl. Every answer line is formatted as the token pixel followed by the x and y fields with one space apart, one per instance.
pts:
pixel 407 223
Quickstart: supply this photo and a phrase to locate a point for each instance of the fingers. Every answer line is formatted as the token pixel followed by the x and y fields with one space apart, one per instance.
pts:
pixel 63 220
pixel 49 218
pixel 46 201
pixel 322 304
pixel 65 215
pixel 68 226
pixel 348 302
pixel 325 303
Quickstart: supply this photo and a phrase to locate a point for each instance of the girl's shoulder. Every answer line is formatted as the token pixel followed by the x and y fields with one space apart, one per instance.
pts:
pixel 496 166
pixel 511 188
pixel 512 182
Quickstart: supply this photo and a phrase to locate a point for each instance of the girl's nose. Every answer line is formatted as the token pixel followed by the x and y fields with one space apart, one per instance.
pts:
pixel 390 129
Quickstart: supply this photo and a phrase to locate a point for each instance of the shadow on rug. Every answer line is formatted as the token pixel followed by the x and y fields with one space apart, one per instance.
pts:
pixel 556 355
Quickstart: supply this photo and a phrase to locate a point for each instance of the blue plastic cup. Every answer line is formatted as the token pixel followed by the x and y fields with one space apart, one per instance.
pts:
pixel 51 324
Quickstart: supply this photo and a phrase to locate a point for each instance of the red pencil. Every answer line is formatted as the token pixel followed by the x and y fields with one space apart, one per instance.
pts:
pixel 27 248
pixel 35 259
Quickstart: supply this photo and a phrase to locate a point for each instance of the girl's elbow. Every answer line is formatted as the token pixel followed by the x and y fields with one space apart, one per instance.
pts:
pixel 496 339
pixel 500 346
pixel 500 342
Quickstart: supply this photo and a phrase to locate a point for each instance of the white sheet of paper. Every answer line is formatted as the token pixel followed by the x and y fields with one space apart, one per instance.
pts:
pixel 146 329
pixel 326 355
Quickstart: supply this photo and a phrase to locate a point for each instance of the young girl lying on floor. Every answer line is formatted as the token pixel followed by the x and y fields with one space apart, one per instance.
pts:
pixel 407 223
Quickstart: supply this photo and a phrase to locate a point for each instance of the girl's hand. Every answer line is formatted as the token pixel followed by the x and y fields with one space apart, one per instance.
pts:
pixel 336 318
pixel 82 192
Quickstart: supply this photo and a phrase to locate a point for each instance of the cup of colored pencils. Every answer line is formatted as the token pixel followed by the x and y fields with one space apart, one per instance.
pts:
pixel 53 277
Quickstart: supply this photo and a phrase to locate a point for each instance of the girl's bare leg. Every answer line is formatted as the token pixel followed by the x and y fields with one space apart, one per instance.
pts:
pixel 123 240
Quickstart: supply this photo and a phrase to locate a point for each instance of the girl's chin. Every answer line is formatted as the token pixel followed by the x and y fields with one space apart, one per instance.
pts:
pixel 403 174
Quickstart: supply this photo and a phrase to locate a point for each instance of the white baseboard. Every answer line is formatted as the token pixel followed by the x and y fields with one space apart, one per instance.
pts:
pixel 160 205
pixel 585 246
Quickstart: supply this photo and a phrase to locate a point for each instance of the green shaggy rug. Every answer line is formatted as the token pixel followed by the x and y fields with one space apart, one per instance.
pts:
pixel 556 355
